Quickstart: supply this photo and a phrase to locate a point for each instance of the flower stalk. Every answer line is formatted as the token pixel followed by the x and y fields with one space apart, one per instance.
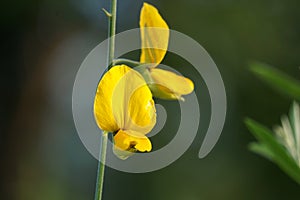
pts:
pixel 111 51
pixel 101 167
pixel 112 32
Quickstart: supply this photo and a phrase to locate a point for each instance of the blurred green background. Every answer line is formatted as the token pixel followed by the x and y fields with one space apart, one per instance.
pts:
pixel 43 45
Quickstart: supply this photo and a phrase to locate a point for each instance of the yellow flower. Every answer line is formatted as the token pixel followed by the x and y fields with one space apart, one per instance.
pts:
pixel 163 84
pixel 124 106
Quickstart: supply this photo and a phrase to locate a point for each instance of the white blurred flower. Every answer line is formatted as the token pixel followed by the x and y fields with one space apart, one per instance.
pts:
pixel 289 133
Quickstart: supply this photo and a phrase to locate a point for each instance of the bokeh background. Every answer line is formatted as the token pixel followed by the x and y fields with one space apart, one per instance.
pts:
pixel 43 45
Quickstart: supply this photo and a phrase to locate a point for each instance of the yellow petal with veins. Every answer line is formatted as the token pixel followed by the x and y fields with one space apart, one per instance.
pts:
pixel 133 106
pixel 154 40
pixel 142 112
pixel 123 101
pixel 168 85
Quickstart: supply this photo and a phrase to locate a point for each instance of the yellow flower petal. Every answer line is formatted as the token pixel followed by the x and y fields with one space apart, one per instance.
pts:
pixel 103 104
pixel 123 101
pixel 168 85
pixel 133 106
pixel 142 112
pixel 158 37
pixel 126 142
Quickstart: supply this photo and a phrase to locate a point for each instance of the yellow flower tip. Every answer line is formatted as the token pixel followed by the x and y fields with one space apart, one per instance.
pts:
pixel 150 15
pixel 168 85
pixel 190 87
pixel 145 5
pixel 127 142
pixel 154 35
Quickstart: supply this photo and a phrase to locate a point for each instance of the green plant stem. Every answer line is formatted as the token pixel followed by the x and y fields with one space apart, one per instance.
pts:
pixel 128 62
pixel 111 52
pixel 112 31
pixel 101 167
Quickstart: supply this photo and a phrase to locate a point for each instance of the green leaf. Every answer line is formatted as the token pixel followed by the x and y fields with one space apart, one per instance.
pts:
pixel 276 152
pixel 261 149
pixel 277 80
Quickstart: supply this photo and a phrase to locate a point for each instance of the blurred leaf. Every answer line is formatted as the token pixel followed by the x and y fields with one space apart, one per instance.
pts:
pixel 262 150
pixel 277 80
pixel 276 152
